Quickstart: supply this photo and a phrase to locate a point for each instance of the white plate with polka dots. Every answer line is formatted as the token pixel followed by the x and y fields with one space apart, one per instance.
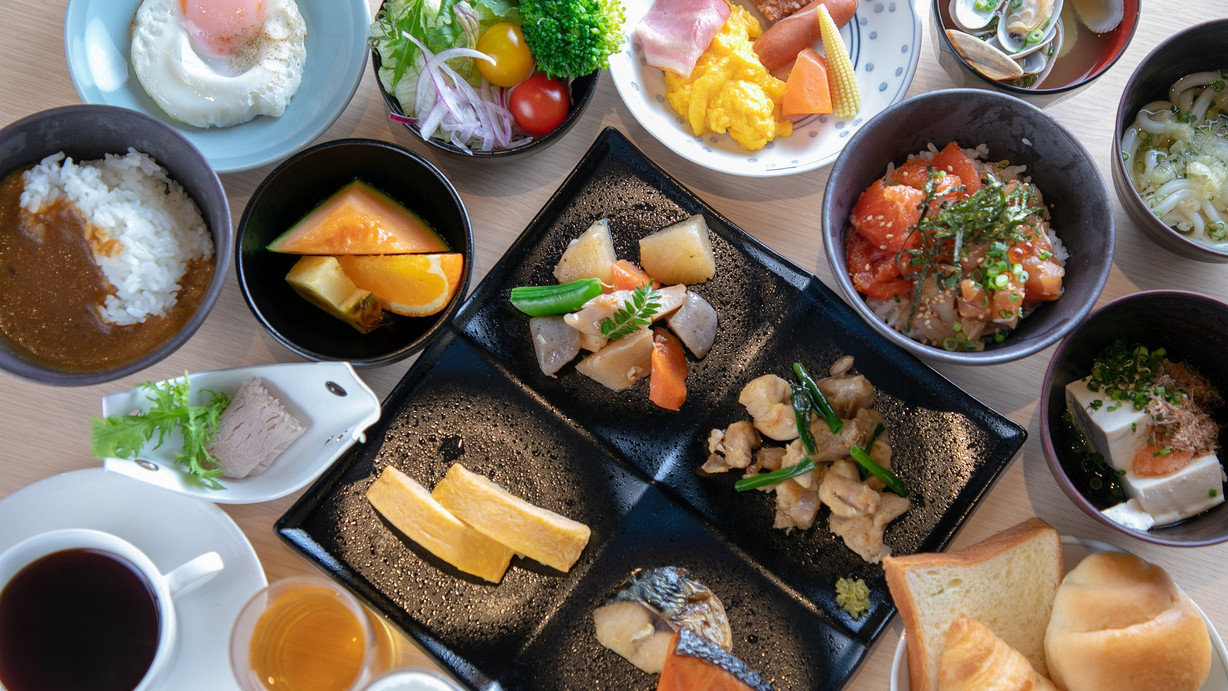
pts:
pixel 884 41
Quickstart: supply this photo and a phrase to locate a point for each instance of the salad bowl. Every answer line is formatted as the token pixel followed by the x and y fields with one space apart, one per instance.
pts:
pixel 580 90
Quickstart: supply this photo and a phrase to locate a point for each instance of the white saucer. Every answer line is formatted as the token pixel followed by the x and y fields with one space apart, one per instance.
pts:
pixel 171 529
pixel 1074 549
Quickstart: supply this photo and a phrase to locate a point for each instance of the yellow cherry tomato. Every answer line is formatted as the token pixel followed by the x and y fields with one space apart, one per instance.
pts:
pixel 513 61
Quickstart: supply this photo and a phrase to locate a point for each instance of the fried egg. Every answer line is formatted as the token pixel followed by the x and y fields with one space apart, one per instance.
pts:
pixel 218 63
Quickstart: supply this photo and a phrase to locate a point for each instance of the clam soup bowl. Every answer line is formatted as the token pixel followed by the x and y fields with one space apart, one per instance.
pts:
pixel 1088 54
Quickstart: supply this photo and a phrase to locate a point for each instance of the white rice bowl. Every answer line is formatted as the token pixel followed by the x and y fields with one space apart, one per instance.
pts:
pixel 132 200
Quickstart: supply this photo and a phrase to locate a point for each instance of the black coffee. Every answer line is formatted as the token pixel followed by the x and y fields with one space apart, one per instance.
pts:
pixel 77 619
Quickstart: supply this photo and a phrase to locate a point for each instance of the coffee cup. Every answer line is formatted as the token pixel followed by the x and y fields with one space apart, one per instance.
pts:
pixel 83 608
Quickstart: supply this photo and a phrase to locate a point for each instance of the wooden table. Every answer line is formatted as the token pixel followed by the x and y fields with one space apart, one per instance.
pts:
pixel 44 430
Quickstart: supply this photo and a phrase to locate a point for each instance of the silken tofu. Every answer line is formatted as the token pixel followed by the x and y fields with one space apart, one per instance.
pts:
pixel 1176 496
pixel 1115 430
pixel 1118 431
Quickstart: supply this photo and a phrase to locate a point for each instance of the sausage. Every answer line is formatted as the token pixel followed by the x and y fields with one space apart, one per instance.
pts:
pixel 780 44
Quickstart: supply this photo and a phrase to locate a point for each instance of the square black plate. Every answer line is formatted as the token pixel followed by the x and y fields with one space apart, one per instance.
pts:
pixel 628 469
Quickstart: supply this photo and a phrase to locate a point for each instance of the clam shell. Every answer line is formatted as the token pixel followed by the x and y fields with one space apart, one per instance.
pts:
pixel 1021 17
pixel 1101 16
pixel 983 57
pixel 974 15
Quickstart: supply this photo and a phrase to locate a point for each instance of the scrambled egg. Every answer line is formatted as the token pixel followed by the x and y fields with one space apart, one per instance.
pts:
pixel 730 90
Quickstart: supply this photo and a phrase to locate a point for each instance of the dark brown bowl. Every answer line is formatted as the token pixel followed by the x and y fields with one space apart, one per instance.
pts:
pixel 1198 48
pixel 1190 327
pixel 582 90
pixel 1114 45
pixel 300 184
pixel 88 132
pixel 1021 133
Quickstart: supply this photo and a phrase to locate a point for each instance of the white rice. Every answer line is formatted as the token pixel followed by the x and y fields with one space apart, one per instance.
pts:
pixel 132 200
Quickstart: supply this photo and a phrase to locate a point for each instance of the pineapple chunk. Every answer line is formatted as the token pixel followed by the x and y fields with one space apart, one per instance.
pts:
pixel 681 253
pixel 589 256
pixel 321 282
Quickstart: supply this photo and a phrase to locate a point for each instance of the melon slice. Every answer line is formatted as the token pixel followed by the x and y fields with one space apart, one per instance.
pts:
pixel 359 219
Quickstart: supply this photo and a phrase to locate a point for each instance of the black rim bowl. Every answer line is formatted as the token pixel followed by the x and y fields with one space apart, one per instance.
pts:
pixel 1196 49
pixel 88 132
pixel 582 90
pixel 1190 327
pixel 965 75
pixel 1082 214
pixel 300 184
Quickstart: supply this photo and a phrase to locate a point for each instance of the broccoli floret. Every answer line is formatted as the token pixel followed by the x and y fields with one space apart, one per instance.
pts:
pixel 571 38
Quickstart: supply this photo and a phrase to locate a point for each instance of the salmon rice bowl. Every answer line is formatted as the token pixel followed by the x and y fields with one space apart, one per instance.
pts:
pixel 954 250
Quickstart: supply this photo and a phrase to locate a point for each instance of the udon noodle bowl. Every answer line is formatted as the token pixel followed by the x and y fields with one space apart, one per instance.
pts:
pixel 1176 154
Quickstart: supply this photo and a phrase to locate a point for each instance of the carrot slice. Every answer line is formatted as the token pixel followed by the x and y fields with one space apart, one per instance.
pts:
pixel 806 89
pixel 625 275
pixel 667 382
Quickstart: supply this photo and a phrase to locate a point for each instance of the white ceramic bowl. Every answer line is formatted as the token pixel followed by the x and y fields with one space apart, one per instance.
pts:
pixel 884 41
pixel 333 404
pixel 96 37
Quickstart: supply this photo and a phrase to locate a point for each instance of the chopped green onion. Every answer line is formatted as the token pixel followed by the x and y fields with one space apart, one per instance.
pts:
pixel 817 400
pixel 540 301
pixel 889 478
pixel 776 476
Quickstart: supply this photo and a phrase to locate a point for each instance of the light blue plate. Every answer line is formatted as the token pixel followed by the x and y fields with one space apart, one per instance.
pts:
pixel 884 41
pixel 96 45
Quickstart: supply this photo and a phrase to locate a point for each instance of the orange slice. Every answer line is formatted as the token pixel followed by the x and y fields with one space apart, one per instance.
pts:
pixel 414 285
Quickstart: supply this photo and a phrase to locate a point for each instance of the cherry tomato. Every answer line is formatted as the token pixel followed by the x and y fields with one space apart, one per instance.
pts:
pixel 540 104
pixel 513 61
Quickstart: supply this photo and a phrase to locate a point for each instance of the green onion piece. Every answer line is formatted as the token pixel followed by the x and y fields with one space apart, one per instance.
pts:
pixel 878 429
pixel 539 301
pixel 775 477
pixel 817 400
pixel 889 478
pixel 801 415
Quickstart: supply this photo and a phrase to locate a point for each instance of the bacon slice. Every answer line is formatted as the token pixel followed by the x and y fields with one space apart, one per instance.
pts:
pixel 674 33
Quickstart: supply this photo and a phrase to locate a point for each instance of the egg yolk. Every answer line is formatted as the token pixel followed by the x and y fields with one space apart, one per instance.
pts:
pixel 222 27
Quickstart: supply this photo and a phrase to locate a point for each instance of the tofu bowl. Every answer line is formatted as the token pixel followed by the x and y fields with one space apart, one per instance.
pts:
pixel 1153 473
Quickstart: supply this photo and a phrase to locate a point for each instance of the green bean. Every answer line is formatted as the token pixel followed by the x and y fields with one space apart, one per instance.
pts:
pixel 539 301
pixel 817 399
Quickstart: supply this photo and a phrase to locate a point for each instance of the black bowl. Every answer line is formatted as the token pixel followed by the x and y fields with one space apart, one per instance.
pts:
pixel 582 90
pixel 1192 328
pixel 1113 45
pixel 1196 49
pixel 88 132
pixel 1014 130
pixel 300 184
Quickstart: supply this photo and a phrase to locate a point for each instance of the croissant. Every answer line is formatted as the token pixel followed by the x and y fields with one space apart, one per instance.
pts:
pixel 976 659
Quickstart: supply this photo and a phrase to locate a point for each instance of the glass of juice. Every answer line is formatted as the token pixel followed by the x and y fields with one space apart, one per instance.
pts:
pixel 307 634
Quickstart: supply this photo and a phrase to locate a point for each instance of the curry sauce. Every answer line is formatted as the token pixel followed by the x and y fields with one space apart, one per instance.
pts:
pixel 52 290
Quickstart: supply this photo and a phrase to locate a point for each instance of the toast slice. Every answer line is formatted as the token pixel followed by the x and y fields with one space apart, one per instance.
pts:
pixel 1006 582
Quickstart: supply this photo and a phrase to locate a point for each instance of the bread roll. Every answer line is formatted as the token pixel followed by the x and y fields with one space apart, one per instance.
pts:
pixel 1006 582
pixel 1120 623
pixel 977 660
